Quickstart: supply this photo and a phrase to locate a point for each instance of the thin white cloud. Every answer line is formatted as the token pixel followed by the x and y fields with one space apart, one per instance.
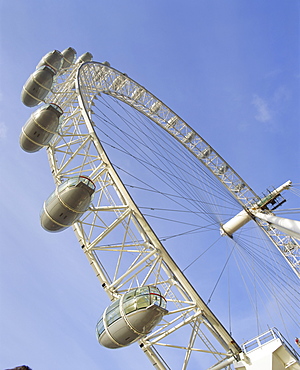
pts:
pixel 263 110
pixel 3 130
pixel 273 73
pixel 268 110
pixel 281 95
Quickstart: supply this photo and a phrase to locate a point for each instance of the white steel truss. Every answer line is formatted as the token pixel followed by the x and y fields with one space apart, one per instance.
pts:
pixel 114 229
pixel 96 78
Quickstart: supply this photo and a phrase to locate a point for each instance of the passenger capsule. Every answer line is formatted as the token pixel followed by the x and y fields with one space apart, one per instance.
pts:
pixel 69 56
pixel 67 203
pixel 40 128
pixel 131 317
pixel 37 86
pixel 53 59
pixel 86 57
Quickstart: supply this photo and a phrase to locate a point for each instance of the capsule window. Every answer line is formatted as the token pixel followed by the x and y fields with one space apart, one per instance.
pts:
pixel 87 181
pixel 56 107
pixel 129 306
pixel 163 302
pixel 155 290
pixel 142 301
pixel 142 290
pixel 73 181
pixel 100 327
pixel 67 184
pixel 155 299
pixel 129 295
pixel 142 297
pixel 62 186
pixel 113 305
pixel 50 199
pixel 113 315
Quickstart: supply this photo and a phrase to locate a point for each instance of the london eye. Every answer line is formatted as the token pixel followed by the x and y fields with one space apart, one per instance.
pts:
pixel 180 243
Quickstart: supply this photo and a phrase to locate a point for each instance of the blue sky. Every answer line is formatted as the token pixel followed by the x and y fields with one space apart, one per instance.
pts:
pixel 230 69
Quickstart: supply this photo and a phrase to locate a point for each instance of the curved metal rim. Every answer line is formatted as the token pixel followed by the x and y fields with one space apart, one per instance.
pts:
pixel 149 105
pixel 145 102
pixel 115 83
pixel 222 334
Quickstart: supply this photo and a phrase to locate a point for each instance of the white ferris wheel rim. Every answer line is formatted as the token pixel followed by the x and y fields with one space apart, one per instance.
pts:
pixel 244 195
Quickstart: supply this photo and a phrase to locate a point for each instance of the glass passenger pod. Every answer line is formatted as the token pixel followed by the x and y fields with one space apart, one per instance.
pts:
pixel 67 203
pixel 39 129
pixel 53 59
pixel 86 57
pixel 37 86
pixel 69 56
pixel 131 317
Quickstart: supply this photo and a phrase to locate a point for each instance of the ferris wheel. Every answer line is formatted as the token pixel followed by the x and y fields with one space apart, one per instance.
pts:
pixel 148 199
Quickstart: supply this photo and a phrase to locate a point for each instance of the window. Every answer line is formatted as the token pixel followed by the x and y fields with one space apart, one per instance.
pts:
pixel 100 327
pixel 142 290
pixel 163 302
pixel 50 198
pixel 129 295
pixel 113 312
pixel 155 290
pixel 112 315
pixel 142 297
pixel 155 299
pixel 87 181
pixel 130 305
pixel 142 301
